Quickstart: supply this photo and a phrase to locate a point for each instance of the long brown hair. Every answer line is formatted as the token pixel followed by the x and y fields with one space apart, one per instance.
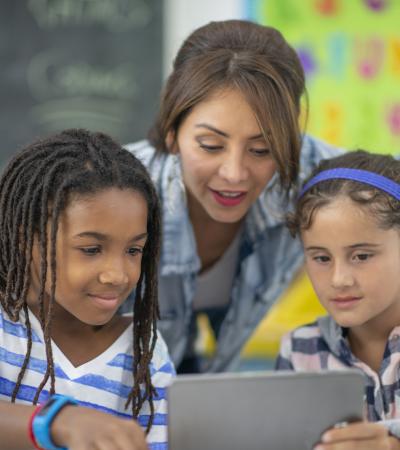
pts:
pixel 252 58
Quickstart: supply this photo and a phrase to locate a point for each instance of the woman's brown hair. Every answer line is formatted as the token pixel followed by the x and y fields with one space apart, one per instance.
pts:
pixel 252 58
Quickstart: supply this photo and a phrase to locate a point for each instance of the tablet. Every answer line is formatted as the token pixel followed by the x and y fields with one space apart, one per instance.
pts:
pixel 262 410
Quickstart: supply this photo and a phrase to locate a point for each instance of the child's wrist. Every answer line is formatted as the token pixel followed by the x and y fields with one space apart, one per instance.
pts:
pixel 61 426
pixel 43 423
pixel 30 430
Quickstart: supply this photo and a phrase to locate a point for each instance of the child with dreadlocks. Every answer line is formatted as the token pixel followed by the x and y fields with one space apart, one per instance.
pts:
pixel 348 218
pixel 79 229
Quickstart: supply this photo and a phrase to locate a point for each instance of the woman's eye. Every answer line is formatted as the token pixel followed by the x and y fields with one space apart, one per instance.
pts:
pixel 261 151
pixel 133 251
pixel 211 148
pixel 90 250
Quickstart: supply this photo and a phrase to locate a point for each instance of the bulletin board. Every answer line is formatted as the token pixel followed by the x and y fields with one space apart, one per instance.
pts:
pixel 350 51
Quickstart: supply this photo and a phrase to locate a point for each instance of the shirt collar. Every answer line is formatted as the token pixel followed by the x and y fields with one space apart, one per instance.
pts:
pixel 335 336
pixel 179 253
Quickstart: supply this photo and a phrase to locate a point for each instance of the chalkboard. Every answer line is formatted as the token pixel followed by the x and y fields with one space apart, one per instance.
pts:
pixel 78 63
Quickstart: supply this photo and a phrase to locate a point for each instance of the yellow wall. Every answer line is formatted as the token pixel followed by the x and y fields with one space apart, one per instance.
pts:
pixel 299 305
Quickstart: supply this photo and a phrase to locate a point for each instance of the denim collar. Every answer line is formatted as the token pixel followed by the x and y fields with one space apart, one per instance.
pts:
pixel 179 254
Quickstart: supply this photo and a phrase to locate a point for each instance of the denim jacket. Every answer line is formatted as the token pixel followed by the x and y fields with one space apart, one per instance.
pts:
pixel 268 256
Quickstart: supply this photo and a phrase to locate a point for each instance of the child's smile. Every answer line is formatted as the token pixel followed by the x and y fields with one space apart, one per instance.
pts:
pixel 346 302
pixel 106 301
pixel 99 252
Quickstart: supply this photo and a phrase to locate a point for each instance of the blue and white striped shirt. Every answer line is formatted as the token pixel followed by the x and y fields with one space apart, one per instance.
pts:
pixel 102 383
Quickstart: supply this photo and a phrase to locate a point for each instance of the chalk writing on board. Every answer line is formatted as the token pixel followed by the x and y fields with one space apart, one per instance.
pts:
pixel 116 15
pixel 94 64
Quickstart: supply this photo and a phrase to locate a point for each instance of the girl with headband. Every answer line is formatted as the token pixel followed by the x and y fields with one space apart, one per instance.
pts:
pixel 348 218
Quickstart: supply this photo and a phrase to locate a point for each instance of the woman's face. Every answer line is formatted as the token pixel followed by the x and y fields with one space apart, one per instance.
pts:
pixel 226 161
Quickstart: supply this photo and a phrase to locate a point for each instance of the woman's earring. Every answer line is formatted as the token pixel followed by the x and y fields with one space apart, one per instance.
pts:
pixel 175 187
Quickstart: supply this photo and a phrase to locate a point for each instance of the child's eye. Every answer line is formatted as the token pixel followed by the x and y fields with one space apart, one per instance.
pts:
pixel 363 256
pixel 321 259
pixel 133 251
pixel 90 251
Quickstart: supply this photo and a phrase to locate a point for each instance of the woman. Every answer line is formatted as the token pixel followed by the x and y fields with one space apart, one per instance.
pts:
pixel 226 154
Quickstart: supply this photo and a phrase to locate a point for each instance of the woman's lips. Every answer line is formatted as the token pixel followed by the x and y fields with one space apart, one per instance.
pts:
pixel 228 198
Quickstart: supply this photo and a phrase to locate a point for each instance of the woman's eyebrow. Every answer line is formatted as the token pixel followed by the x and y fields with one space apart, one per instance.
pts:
pixel 222 133
pixel 211 128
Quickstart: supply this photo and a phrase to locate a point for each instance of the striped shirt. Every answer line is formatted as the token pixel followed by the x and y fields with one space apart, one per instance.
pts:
pixel 323 346
pixel 102 383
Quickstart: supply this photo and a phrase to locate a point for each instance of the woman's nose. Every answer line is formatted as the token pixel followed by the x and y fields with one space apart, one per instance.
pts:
pixel 233 169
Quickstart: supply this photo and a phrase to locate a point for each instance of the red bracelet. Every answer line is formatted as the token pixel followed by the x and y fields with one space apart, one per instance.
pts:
pixel 30 429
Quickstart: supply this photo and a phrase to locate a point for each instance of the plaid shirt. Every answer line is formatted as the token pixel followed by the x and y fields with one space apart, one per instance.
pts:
pixel 323 346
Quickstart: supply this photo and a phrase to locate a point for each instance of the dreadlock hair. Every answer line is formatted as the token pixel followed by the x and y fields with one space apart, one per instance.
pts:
pixel 34 190
pixel 384 208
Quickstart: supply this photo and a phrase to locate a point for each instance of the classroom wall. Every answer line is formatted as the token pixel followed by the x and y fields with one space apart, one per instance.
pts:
pixel 183 16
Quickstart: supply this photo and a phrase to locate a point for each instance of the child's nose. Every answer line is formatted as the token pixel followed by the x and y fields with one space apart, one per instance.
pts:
pixel 114 276
pixel 342 276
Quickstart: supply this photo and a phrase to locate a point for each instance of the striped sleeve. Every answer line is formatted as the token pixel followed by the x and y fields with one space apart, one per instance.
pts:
pixel 162 371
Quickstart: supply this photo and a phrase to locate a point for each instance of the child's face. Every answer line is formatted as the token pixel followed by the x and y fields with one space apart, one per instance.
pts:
pixel 354 265
pixel 99 252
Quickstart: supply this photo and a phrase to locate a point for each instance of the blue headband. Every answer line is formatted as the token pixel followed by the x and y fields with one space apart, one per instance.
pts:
pixel 363 176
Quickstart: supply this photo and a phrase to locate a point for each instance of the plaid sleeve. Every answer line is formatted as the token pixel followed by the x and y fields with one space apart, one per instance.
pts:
pixel 284 359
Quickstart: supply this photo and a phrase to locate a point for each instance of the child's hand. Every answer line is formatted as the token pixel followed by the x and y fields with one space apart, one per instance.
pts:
pixel 358 436
pixel 79 428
